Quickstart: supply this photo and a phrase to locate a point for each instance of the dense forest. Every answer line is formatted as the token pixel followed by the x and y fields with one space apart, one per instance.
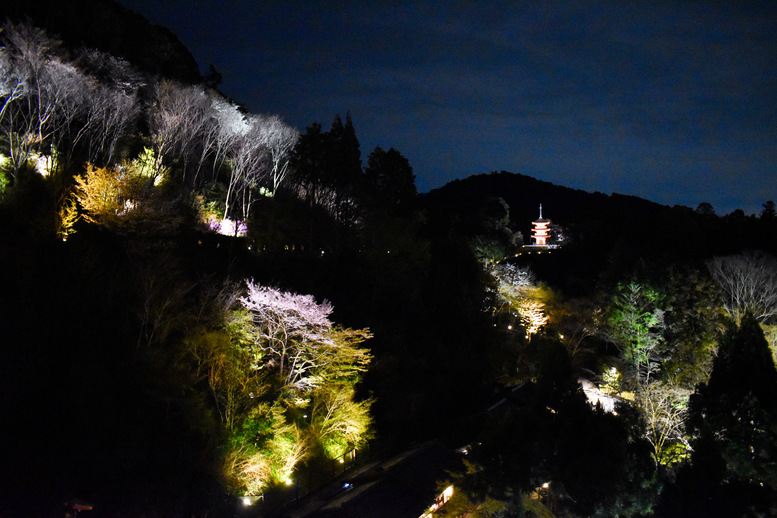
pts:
pixel 200 303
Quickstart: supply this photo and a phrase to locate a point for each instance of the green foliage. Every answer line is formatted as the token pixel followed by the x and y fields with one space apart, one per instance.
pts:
pixel 339 422
pixel 693 320
pixel 733 469
pixel 739 406
pixel 146 166
pixel 4 179
pixel 519 294
pixel 634 323
pixel 271 425
pixel 263 451
pixel 664 407
pixel 549 434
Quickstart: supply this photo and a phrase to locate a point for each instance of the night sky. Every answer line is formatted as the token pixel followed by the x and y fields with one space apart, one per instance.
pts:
pixel 672 101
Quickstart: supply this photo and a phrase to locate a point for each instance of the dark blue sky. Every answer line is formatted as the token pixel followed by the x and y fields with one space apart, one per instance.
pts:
pixel 672 101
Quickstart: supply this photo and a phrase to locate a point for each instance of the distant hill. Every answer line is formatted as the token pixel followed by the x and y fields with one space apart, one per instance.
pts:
pixel 612 232
pixel 524 194
pixel 108 26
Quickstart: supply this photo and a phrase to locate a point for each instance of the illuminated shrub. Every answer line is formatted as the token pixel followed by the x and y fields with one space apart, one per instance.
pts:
pixel 264 451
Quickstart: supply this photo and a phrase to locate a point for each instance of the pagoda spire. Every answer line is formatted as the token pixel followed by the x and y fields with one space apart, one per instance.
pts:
pixel 540 210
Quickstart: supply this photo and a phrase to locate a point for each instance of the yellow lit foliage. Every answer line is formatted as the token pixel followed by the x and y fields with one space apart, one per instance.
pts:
pixel 67 217
pixel 106 193
pixel 99 192
pixel 530 302
pixel 273 425
pixel 518 292
pixel 339 422
pixel 770 333
pixel 125 197
pixel 251 467
pixel 532 312
pixel 611 381
pixel 664 407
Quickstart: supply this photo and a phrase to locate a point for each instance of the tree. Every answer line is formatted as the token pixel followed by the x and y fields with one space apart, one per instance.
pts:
pixel 339 422
pixel 390 178
pixel 768 212
pixel 693 321
pixel 733 470
pixel 518 293
pixel 293 336
pixel 634 323
pixel 664 408
pixel 12 85
pixel 126 198
pixel 278 139
pixel 31 90
pixel 346 163
pixel 749 284
pixel 284 385
pixel 248 167
pixel 178 119
pixel 705 209
pixel 113 107
pixel 493 240
pixel 327 168
pixel 264 451
pixel 70 121
pixel 545 439
pixel 229 126
pixel 112 114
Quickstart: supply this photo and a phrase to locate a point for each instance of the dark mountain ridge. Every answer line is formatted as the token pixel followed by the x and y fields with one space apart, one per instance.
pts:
pixel 614 233
pixel 524 194
pixel 110 27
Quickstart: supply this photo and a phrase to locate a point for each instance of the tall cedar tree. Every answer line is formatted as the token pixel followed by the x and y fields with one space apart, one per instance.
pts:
pixel 734 465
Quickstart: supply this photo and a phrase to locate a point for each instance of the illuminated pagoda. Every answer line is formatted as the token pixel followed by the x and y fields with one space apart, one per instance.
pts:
pixel 540 230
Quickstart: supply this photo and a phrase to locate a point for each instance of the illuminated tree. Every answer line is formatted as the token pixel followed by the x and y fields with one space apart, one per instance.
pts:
pixel 264 451
pixel 70 121
pixel 749 284
pixel 283 379
pixel 112 113
pixel 512 278
pixel 11 84
pixel 105 194
pixel 125 197
pixel 664 408
pixel 229 125
pixel 339 422
pixel 634 323
pixel 518 292
pixel 278 139
pixel 693 321
pixel 248 161
pixel 179 117
pixel 55 107
pixel 293 336
pixel 113 105
pixel 31 91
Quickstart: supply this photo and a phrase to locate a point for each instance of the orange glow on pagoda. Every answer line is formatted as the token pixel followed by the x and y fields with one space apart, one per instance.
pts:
pixel 540 230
